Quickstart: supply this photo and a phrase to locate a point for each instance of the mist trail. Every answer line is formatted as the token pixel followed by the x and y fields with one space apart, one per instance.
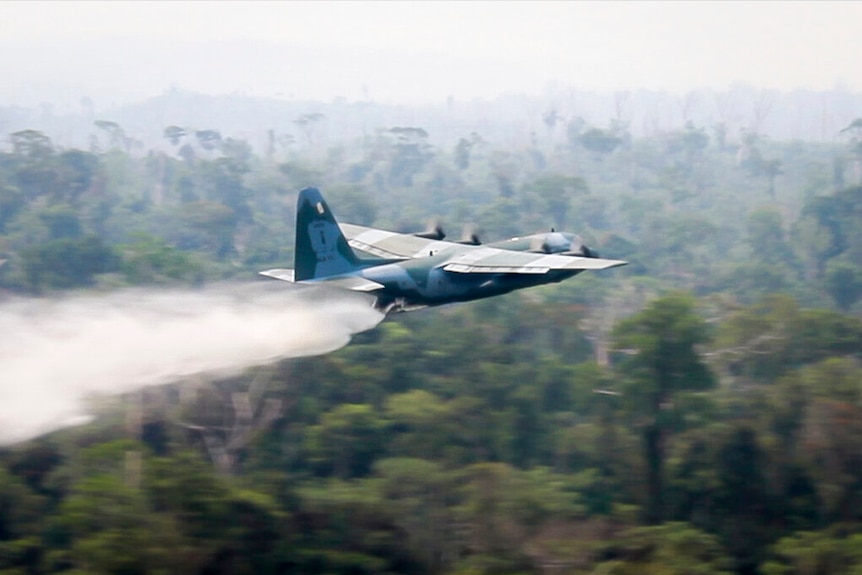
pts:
pixel 53 353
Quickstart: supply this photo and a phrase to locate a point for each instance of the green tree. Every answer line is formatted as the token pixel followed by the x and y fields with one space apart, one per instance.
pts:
pixel 462 153
pixel 112 530
pixel 355 205
pixel 31 144
pixel 766 237
pixel 208 139
pixel 212 225
pixel 174 134
pixel 115 133
pixel 421 421
pixel 346 528
pixel 661 360
pixel 21 516
pixel 831 226
pixel 346 441
pixel 774 336
pixel 671 549
pixel 76 171
pixel 599 141
pixel 555 193
pixel 215 523
pixel 67 263
pixel 422 496
pixel 410 154
pixel 844 283
pixel 742 499
pixel 11 203
pixel 151 260
pixel 813 552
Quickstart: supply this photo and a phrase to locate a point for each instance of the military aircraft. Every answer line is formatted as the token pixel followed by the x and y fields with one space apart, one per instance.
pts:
pixel 412 271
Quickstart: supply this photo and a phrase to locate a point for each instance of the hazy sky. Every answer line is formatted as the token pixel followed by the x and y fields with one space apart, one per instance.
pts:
pixel 419 51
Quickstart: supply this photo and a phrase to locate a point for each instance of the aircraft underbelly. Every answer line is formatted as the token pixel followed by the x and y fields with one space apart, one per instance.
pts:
pixel 475 286
pixel 437 287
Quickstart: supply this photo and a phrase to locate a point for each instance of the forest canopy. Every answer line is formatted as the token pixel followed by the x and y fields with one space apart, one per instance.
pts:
pixel 698 411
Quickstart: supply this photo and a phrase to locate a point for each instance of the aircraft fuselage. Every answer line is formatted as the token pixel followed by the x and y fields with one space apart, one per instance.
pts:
pixel 422 282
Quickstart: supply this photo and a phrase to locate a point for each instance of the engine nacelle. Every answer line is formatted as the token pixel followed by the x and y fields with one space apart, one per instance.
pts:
pixel 562 243
pixel 589 252
pixel 555 243
pixel 436 233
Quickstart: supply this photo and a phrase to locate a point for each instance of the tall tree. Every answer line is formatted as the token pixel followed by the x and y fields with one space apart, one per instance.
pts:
pixel 661 361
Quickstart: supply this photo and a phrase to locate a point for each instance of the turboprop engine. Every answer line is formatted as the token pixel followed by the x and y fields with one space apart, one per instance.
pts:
pixel 562 244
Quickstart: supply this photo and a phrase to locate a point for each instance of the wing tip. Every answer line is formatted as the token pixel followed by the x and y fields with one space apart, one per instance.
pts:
pixel 608 264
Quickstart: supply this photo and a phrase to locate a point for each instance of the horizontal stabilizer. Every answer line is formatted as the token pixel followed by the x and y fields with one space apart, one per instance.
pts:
pixel 354 283
pixel 279 274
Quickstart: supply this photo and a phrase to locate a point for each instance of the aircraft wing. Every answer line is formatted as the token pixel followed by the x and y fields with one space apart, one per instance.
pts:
pixel 355 283
pixel 469 259
pixel 391 245
pixel 494 260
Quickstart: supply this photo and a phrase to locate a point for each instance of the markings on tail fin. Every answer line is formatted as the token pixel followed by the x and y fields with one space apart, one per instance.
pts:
pixel 324 243
pixel 321 249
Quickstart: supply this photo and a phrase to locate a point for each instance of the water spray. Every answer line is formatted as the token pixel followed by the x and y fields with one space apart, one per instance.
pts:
pixel 55 353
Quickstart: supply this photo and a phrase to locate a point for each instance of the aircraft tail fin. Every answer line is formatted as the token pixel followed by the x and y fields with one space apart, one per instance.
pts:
pixel 321 248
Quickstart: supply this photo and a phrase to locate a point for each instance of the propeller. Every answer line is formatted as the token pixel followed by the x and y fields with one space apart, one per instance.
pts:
pixel 589 252
pixel 562 244
pixel 470 237
pixel 434 232
pixel 578 248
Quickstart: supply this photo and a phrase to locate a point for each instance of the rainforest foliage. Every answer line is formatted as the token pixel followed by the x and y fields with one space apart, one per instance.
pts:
pixel 698 411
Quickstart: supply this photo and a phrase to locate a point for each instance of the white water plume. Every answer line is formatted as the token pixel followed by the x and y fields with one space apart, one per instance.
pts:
pixel 54 353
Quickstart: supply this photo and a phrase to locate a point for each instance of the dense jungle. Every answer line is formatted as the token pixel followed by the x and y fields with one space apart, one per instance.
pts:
pixel 697 411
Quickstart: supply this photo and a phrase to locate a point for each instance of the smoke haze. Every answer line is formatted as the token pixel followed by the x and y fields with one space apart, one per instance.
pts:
pixel 419 52
pixel 54 353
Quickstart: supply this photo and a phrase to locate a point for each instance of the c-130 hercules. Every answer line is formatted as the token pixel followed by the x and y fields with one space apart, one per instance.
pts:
pixel 407 272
